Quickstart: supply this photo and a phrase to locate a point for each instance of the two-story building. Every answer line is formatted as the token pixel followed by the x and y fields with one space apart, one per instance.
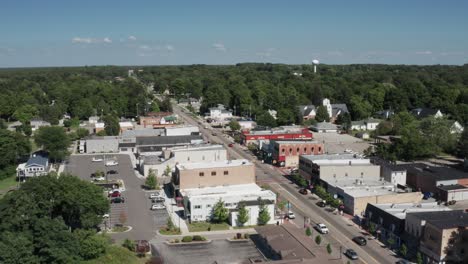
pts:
pixel 285 153
pixel 37 165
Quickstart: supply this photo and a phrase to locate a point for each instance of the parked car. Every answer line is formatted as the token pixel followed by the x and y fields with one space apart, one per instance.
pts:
pixel 323 229
pixel 154 195
pixel 231 145
pixel 115 194
pixel 303 191
pixel 95 159
pixel 105 216
pixel 158 206
pixel 321 204
pixel 158 200
pixel 112 172
pixel 111 163
pixel 291 215
pixel 360 240
pixel 118 200
pixel 99 178
pixel 351 254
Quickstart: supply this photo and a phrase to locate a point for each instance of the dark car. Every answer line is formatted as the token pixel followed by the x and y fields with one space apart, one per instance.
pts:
pixel 112 172
pixel 351 254
pixel 303 191
pixel 360 240
pixel 118 200
pixel 321 204
pixel 231 145
pixel 115 194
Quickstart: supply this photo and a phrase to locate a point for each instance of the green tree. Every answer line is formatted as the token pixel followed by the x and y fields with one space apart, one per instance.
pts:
pixel 54 140
pixel 360 108
pixel 101 133
pixel 155 107
pixel 234 125
pixel 220 212
pixel 25 113
pixel 308 232
pixel 463 144
pixel 167 171
pixel 344 120
pixel 265 119
pixel 91 245
pixel 419 259
pixel 242 214
pixel 318 239
pixel 129 244
pixel 14 146
pixel 170 225
pixel 151 181
pixel 329 249
pixel 111 125
pixel 166 105
pixel 263 214
pixel 82 132
pixel 391 242
pixel 322 114
pixel 403 250
pixel 372 228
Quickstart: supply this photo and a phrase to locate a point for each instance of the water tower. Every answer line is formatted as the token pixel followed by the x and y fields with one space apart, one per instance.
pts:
pixel 315 63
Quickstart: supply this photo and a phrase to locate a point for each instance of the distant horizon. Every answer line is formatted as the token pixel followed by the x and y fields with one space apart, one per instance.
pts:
pixel 53 33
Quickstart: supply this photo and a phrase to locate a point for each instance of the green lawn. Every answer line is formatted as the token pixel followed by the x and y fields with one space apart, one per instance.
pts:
pixel 116 255
pixel 204 226
pixel 173 232
pixel 7 184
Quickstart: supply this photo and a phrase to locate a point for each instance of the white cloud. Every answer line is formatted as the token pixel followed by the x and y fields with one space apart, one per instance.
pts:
pixel 219 46
pixel 169 47
pixel 424 52
pixel 132 38
pixel 90 40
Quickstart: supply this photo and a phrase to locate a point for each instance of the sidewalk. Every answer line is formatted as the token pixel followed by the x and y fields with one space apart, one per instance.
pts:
pixel 172 210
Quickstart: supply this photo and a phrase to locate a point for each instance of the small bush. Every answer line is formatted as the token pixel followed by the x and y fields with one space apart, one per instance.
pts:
pixel 187 239
pixel 176 240
pixel 246 236
pixel 203 238
pixel 197 238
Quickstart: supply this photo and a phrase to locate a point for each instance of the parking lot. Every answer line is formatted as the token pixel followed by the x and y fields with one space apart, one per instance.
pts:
pixel 338 143
pixel 218 251
pixel 137 206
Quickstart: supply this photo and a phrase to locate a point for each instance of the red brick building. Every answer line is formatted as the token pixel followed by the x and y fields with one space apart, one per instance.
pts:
pixel 281 133
pixel 286 153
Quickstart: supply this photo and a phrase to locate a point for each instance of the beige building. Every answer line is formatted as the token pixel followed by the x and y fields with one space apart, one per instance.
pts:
pixel 170 157
pixel 211 174
pixel 442 235
pixel 335 168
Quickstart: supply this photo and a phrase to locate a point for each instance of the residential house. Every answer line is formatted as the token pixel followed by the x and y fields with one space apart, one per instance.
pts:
pixel 126 125
pixel 93 119
pixel 307 111
pixel 273 113
pixel 334 110
pixel 99 126
pixel 456 128
pixel 426 112
pixel 219 113
pixel 368 124
pixel 37 123
pixel 37 165
pixel 385 114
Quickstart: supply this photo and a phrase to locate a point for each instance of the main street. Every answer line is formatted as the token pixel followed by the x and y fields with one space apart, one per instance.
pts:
pixel 341 229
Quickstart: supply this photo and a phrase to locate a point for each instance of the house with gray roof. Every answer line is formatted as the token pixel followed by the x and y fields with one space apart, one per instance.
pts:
pixel 307 111
pixel 37 165
pixel 365 124
pixel 324 127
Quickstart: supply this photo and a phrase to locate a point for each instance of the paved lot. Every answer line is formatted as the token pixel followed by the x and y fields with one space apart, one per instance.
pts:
pixel 221 251
pixel 137 204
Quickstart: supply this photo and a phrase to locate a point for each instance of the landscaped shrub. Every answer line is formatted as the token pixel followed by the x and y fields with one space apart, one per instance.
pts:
pixel 246 236
pixel 176 240
pixel 197 238
pixel 187 239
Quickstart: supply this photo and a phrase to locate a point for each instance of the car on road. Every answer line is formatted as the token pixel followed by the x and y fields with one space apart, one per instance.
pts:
pixel 321 204
pixel 231 145
pixel 115 194
pixel 112 172
pixel 323 229
pixel 303 191
pixel 158 206
pixel 214 134
pixel 118 200
pixel 158 200
pixel 360 240
pixel 95 159
pixel 291 215
pixel 111 163
pixel 99 178
pixel 351 254
pixel 154 195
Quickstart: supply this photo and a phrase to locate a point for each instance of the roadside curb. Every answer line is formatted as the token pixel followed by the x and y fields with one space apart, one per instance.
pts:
pixel 237 240
pixel 111 232
pixel 208 241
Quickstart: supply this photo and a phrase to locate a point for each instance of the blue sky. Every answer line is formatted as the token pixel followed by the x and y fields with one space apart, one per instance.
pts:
pixel 152 32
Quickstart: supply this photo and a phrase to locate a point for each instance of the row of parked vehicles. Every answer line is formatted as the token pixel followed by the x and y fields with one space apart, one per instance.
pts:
pixel 157 201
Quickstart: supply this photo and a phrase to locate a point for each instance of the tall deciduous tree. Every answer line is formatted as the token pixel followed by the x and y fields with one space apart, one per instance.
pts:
pixel 263 214
pixel 463 144
pixel 54 140
pixel 111 125
pixel 234 125
pixel 13 146
pixel 151 181
pixel 242 214
pixel 265 119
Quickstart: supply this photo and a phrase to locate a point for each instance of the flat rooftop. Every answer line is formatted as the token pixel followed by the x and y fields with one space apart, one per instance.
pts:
pixel 452 187
pixel 376 190
pixel 296 141
pixel 200 147
pixel 400 210
pixel 439 173
pixel 244 191
pixel 445 219
pixel 214 164
pixel 342 182
pixel 337 159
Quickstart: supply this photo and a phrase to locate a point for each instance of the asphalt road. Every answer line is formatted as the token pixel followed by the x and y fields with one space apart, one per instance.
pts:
pixel 341 231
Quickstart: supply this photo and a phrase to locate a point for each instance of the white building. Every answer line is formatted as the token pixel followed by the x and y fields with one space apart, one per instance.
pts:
pixel 199 202
pixel 182 131
pixel 173 156
pixel 93 119
pixel 37 165
pixel 369 124
pixel 219 113
pixel 247 125
pixel 38 123
pixel 394 174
